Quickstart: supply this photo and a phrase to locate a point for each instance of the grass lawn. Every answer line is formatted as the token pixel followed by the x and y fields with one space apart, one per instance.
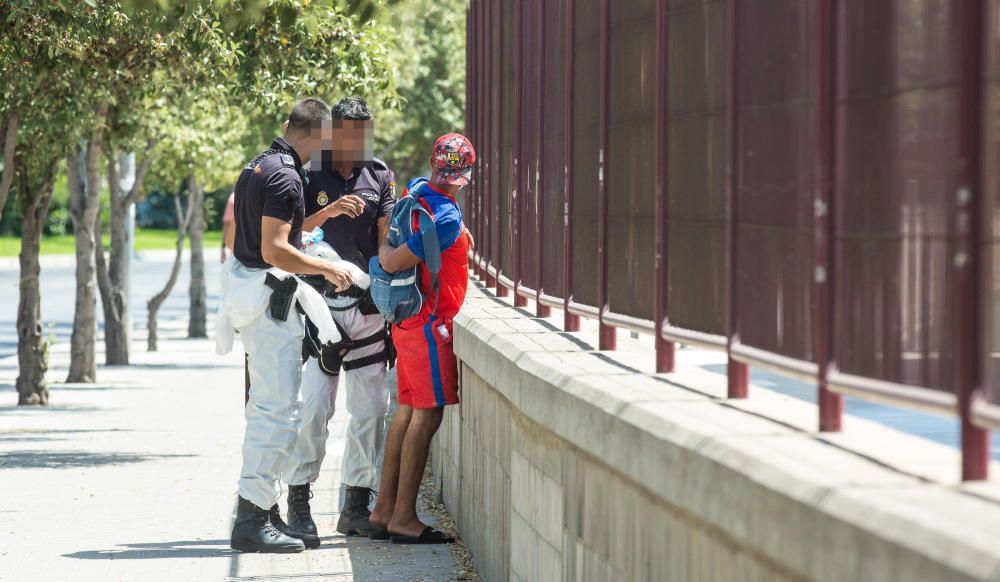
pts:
pixel 145 239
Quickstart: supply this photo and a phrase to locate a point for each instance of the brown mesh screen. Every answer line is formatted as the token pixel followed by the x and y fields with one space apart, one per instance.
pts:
pixel 696 166
pixel 553 143
pixel 586 143
pixel 990 180
pixel 776 143
pixel 896 171
pixel 631 157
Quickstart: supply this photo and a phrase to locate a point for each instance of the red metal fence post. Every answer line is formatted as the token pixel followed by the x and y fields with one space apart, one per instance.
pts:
pixel 831 404
pixel 607 336
pixel 975 441
pixel 664 348
pixel 737 372
pixel 502 49
pixel 520 182
pixel 571 322
pixel 540 21
pixel 493 156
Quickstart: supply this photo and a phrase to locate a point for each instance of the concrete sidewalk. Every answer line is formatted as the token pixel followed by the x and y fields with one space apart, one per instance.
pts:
pixel 134 478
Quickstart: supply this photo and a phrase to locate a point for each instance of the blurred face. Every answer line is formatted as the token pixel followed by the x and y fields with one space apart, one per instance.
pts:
pixel 352 143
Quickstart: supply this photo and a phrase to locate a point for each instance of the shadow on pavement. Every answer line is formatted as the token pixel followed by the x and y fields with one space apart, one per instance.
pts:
pixel 44 435
pixel 72 459
pixel 151 551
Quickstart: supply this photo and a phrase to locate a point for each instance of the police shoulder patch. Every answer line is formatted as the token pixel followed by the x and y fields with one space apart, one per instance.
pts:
pixel 379 163
pixel 287 160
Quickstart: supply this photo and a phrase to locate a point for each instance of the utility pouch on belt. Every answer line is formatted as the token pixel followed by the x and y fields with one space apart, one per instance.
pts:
pixel 366 306
pixel 282 296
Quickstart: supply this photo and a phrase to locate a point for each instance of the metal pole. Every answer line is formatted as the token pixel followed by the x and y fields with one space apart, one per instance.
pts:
pixel 831 404
pixel 571 322
pixel 975 441
pixel 738 373
pixel 501 291
pixel 492 213
pixel 606 334
pixel 540 20
pixel 664 348
pixel 520 181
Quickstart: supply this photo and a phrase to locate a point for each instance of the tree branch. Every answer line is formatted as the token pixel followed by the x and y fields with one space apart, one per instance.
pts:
pixel 9 142
pixel 140 173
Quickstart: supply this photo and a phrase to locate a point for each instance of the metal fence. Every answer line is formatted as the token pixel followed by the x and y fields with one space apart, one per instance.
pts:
pixel 812 186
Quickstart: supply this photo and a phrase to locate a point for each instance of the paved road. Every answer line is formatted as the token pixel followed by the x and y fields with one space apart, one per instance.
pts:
pixel 58 294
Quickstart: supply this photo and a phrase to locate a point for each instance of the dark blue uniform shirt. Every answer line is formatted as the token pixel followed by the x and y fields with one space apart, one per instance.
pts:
pixel 354 239
pixel 270 185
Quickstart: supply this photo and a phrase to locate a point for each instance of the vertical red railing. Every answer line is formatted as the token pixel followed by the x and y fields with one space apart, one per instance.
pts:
pixel 493 157
pixel 738 373
pixel 571 322
pixel 540 21
pixel 502 48
pixel 975 441
pixel 664 348
pixel 606 334
pixel 519 191
pixel 831 404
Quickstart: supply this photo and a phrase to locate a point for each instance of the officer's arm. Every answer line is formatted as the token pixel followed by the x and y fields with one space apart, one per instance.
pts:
pixel 230 238
pixel 396 259
pixel 276 251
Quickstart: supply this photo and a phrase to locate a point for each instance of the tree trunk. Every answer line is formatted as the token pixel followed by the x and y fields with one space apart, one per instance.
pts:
pixel 153 305
pixel 85 209
pixel 197 316
pixel 8 141
pixel 32 349
pixel 113 275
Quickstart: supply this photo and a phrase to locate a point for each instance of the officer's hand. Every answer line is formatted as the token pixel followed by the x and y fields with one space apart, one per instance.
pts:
pixel 340 278
pixel 351 206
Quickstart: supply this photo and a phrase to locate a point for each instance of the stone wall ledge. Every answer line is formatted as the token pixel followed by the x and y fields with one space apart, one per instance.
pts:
pixel 785 495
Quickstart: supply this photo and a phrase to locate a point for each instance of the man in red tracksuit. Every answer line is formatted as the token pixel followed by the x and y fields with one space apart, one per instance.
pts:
pixel 427 371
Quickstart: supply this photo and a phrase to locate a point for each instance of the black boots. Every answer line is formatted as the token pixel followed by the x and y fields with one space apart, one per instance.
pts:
pixel 354 517
pixel 255 532
pixel 300 521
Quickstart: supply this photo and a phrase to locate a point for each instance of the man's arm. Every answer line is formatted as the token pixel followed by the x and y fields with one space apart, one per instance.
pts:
pixel 276 251
pixel 229 238
pixel 395 259
pixel 351 205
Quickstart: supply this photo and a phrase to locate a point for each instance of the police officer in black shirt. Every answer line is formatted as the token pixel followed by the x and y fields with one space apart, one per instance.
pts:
pixel 350 195
pixel 270 209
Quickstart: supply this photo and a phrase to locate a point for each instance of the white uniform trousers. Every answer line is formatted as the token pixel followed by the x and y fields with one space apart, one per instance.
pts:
pixel 274 350
pixel 367 404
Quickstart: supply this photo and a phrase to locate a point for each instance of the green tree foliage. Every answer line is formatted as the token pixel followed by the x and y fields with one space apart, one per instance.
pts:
pixel 428 62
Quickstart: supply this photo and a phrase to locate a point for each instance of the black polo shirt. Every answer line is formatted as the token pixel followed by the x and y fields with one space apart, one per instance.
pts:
pixel 270 185
pixel 354 239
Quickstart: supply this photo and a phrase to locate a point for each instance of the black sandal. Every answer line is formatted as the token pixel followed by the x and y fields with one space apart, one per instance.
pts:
pixel 428 536
pixel 379 535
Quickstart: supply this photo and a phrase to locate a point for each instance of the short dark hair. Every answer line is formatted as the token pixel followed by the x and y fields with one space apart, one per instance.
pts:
pixel 307 114
pixel 352 109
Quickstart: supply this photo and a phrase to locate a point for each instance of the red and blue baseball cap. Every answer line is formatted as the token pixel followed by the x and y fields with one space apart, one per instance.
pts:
pixel 452 159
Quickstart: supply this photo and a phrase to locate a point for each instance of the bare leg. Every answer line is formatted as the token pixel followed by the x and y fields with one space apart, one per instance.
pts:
pixel 416 445
pixel 386 501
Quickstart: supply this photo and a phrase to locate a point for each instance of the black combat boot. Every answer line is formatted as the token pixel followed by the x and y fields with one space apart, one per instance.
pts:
pixel 254 532
pixel 354 517
pixel 276 521
pixel 300 521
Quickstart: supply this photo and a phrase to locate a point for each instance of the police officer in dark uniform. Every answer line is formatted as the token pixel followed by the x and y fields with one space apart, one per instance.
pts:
pixel 350 195
pixel 270 209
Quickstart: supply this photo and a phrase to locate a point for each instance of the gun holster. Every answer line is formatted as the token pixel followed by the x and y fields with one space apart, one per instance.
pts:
pixel 282 296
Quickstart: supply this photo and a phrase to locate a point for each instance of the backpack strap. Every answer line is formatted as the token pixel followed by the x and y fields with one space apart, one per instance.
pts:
pixel 432 249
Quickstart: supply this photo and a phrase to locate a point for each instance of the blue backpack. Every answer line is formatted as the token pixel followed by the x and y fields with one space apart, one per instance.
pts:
pixel 397 295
